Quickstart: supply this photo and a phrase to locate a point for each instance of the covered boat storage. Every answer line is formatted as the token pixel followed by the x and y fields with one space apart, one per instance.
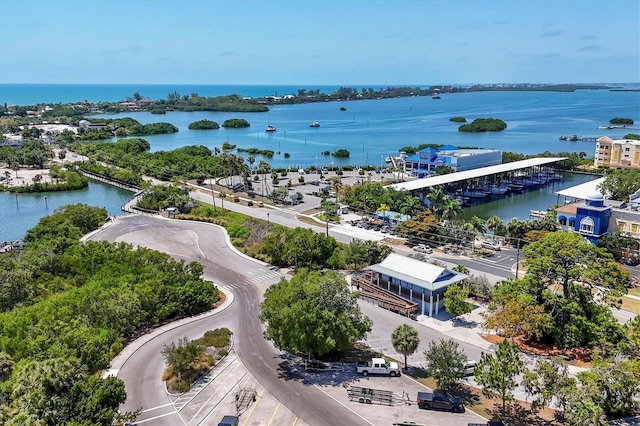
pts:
pixel 469 175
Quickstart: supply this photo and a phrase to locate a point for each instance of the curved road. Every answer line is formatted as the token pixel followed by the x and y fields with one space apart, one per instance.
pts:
pixel 206 244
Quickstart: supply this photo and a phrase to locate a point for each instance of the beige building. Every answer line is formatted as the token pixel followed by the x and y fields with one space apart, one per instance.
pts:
pixel 623 153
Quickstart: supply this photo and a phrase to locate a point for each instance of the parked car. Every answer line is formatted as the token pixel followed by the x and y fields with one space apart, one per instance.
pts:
pixel 315 182
pixel 469 366
pixel 260 204
pixel 440 400
pixel 228 421
pixel 250 203
pixel 236 199
pixel 490 245
pixel 422 248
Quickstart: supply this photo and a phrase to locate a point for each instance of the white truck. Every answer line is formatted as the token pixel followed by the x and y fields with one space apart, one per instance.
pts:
pixel 378 366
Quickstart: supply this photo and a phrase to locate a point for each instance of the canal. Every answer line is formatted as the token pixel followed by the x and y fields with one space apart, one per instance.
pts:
pixel 519 205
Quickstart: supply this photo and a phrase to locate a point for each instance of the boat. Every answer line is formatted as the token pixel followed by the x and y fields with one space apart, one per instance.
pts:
pixel 314 124
pixel 343 109
pixel 498 189
pixel 436 97
pixel 475 193
pixel 270 129
pixel 537 213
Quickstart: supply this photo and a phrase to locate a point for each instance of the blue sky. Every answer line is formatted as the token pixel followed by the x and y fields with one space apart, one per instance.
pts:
pixel 319 42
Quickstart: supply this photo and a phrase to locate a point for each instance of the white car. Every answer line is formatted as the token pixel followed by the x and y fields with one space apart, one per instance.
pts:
pixel 490 245
pixel 422 248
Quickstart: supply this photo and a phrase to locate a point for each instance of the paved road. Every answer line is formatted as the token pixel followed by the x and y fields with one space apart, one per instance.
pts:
pixel 207 244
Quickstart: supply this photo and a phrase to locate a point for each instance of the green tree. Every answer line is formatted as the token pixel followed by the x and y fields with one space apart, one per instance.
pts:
pixel 450 209
pixel 455 300
pixel 495 225
pixel 437 198
pixel 548 380
pixel 619 184
pixel 445 362
pixel 405 341
pixel 497 373
pixel 313 313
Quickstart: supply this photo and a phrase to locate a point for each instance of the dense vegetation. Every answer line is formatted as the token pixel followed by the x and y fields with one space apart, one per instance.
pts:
pixel 257 151
pixel 31 153
pixel 484 125
pixel 574 160
pixel 620 184
pixel 619 120
pixel 67 309
pixel 458 119
pixel 63 180
pixel 313 314
pixel 204 125
pixel 235 123
pixel 122 127
pixel 371 195
pixel 341 153
pixel 123 175
pixel 633 136
pixel 159 197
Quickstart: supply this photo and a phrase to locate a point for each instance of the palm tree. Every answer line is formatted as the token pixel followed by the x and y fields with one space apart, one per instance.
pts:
pixel 450 208
pixel 384 209
pixel 410 205
pixel 477 226
pixel 494 224
pixel 405 341
pixel 251 159
pixel 337 185
pixel 436 197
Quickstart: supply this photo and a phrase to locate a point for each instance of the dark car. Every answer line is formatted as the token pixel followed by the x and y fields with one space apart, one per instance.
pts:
pixel 228 421
pixel 440 400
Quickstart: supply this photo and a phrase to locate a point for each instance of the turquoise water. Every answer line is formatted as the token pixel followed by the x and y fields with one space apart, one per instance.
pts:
pixel 19 214
pixel 374 129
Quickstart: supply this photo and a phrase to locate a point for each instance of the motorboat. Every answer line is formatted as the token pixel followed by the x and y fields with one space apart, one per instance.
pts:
pixel 537 213
pixel 270 129
pixel 499 189
pixel 314 124
pixel 475 193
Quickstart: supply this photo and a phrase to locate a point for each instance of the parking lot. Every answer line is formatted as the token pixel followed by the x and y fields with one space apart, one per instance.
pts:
pixel 230 390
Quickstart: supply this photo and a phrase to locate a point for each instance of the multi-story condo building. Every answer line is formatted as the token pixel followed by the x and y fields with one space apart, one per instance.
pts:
pixel 623 153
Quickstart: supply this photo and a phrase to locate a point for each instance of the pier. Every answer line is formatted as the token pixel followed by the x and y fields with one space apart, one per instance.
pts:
pixel 576 138
pixel 110 181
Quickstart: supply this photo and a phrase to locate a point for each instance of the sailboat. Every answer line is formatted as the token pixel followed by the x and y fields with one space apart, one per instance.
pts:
pixel 269 128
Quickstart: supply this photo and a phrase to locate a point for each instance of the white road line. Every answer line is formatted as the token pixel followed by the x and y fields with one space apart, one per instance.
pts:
pixel 157 417
pixel 155 408
pixel 219 402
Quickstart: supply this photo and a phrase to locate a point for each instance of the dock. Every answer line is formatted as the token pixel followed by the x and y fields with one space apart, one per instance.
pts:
pixel 108 180
pixel 576 138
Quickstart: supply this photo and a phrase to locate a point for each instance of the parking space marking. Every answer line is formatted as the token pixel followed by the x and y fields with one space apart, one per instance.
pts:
pixel 155 408
pixel 339 402
pixel 219 402
pixel 159 417
pixel 274 414
pixel 253 407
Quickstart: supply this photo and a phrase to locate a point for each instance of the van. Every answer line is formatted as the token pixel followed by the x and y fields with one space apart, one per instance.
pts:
pixel 469 366
pixel 228 421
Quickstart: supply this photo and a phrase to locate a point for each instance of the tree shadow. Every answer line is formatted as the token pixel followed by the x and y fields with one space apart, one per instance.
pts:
pixel 517 415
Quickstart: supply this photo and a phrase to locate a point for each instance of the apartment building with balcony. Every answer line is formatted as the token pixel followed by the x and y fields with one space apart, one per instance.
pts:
pixel 623 153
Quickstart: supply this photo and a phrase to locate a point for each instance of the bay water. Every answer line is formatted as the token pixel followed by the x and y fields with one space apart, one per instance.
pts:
pixel 370 129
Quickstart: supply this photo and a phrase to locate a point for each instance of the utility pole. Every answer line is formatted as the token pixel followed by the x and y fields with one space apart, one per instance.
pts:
pixel 517 257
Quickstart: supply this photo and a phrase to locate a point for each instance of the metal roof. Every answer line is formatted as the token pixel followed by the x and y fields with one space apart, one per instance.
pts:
pixel 582 191
pixel 475 173
pixel 426 275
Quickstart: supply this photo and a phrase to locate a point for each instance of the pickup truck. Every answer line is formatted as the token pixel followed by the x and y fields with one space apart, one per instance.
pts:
pixel 440 400
pixel 378 366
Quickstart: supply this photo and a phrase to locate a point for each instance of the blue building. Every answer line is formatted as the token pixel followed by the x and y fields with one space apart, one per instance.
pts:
pixel 425 161
pixel 592 217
